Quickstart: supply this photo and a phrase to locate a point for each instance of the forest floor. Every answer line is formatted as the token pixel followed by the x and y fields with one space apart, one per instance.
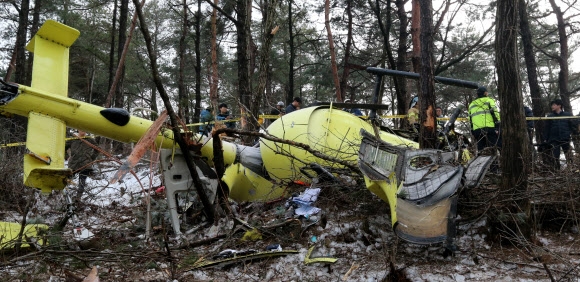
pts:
pixel 353 227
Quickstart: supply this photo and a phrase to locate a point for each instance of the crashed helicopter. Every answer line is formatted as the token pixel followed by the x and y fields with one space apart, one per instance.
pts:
pixel 420 186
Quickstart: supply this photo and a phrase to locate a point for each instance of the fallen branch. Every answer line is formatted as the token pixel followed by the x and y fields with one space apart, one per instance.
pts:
pixel 200 242
pixel 549 272
pixel 306 147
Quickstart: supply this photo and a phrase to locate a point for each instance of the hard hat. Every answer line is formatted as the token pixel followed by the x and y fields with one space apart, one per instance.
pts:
pixel 414 101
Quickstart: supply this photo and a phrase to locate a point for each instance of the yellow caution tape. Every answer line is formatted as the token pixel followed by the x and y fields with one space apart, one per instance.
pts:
pixel 546 118
pixel 276 117
pixel 213 122
pixel 24 143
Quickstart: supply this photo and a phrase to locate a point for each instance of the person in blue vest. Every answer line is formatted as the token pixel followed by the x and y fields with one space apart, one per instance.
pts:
pixel 206 117
pixel 484 118
pixel 557 134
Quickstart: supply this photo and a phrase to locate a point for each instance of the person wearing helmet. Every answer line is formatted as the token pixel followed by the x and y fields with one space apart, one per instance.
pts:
pixel 484 118
pixel 279 110
pixel 413 114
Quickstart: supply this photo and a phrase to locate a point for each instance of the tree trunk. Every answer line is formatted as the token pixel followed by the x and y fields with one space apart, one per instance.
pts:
pixel 208 207
pixel 402 93
pixel 537 104
pixel 515 155
pixel 197 106
pixel 290 92
pixel 20 73
pixel 416 35
pixel 333 67
pixel 268 17
pixel 247 107
pixel 112 47
pixel 19 59
pixel 345 68
pixel 153 105
pixel 183 98
pixel 563 58
pixel 386 33
pixel 213 83
pixel 33 30
pixel 123 12
pixel 122 55
pixel 428 138
pixel 564 70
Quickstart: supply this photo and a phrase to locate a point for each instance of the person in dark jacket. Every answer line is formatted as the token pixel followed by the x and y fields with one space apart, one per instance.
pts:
pixel 529 123
pixel 279 110
pixel 295 105
pixel 557 134
pixel 224 115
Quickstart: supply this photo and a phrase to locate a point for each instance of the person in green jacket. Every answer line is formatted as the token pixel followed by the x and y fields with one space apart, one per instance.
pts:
pixel 484 118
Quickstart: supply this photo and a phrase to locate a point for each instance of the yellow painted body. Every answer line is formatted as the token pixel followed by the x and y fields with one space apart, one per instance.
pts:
pixel 246 185
pixel 229 151
pixel 333 132
pixel 50 111
pixel 44 164
pixel 9 233
pixel 387 191
pixel 81 115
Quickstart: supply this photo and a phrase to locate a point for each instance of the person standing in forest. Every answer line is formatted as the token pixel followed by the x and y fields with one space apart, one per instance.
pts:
pixel 557 133
pixel 413 114
pixel 439 113
pixel 205 117
pixel 295 105
pixel 279 110
pixel 81 156
pixel 484 118
pixel 529 123
pixel 224 115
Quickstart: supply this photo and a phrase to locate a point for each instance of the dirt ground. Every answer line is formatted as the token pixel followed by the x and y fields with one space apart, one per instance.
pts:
pixel 353 227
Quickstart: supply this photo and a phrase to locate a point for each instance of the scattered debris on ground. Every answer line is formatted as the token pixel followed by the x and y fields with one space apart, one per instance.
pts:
pixel 348 239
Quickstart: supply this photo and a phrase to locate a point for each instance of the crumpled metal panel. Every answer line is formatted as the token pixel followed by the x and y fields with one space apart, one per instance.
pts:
pixel 424 207
pixel 476 169
pixel 441 183
pixel 418 163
